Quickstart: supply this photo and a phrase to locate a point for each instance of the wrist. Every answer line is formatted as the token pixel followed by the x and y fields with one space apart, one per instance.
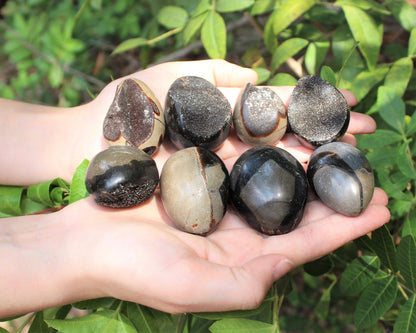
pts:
pixel 42 264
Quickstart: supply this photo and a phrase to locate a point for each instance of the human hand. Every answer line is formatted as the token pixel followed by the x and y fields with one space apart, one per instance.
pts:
pixel 86 251
pixel 154 264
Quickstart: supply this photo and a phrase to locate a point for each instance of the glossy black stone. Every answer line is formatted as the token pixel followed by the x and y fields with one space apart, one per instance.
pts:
pixel 342 178
pixel 121 176
pixel 135 117
pixel 259 116
pixel 317 111
pixel 194 186
pixel 197 114
pixel 269 188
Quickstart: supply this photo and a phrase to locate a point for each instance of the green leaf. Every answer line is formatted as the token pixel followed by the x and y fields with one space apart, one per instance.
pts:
pixel 319 266
pixel 2 330
pixel 262 6
pixel 375 300
pixel 358 274
pixel 226 6
pixel 405 256
pixel 328 74
pixel 364 4
pixel 39 325
pixel 55 76
pixel 51 193
pixel 193 27
pixel 391 108
pixel 380 138
pixel 389 186
pixel 382 157
pixel 322 308
pixel 383 244
pixel 404 13
pixel 10 200
pixel 409 226
pixel 172 17
pixel 399 75
pixel 412 43
pixel 365 81
pixel 78 189
pixel 269 38
pixel 286 50
pixel 213 35
pixel 315 55
pixel 234 314
pixel 142 318
pixel 288 12
pixel 366 31
pixel 406 320
pixel 411 126
pixel 241 325
pixel 130 44
pixel 405 160
pixel 283 79
pixel 102 321
pixel 263 74
pixel 93 304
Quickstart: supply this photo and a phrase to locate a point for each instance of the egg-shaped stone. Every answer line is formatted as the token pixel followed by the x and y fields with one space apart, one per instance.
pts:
pixel 121 176
pixel 342 178
pixel 197 114
pixel 194 185
pixel 317 111
pixel 135 117
pixel 269 188
pixel 259 116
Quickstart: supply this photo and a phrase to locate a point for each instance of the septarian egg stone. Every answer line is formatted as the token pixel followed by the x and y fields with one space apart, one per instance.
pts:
pixel 269 188
pixel 197 114
pixel 194 187
pixel 317 111
pixel 341 177
pixel 121 176
pixel 259 116
pixel 134 118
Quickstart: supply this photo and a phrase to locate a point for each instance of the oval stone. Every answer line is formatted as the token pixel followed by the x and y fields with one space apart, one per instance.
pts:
pixel 135 117
pixel 197 114
pixel 318 112
pixel 259 116
pixel 269 188
pixel 342 178
pixel 194 188
pixel 121 176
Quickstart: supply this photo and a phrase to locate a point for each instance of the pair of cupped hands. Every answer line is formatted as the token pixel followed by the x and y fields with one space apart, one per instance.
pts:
pixel 137 255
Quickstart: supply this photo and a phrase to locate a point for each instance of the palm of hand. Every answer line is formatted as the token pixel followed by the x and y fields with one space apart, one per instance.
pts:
pixel 233 267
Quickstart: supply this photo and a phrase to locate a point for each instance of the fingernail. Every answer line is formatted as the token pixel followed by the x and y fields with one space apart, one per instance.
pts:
pixel 284 266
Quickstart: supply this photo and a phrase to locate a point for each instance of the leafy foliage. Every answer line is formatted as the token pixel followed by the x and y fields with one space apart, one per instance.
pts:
pixel 370 283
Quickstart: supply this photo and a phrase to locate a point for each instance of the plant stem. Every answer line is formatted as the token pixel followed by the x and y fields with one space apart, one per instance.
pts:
pixel 183 319
pixel 345 64
pixel 164 36
pixel 276 307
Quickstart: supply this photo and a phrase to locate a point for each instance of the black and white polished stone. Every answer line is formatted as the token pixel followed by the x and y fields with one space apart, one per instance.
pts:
pixel 342 178
pixel 121 176
pixel 194 186
pixel 269 188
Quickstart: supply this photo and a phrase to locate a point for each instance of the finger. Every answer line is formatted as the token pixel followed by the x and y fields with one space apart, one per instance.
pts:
pixel 361 124
pixel 214 287
pixel 314 240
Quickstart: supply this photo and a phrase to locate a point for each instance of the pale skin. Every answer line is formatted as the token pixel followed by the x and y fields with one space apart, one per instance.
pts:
pixel 86 251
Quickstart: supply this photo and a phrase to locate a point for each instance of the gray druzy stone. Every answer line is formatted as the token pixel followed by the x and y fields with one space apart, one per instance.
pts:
pixel 342 178
pixel 317 111
pixel 194 189
pixel 197 113
pixel 260 116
